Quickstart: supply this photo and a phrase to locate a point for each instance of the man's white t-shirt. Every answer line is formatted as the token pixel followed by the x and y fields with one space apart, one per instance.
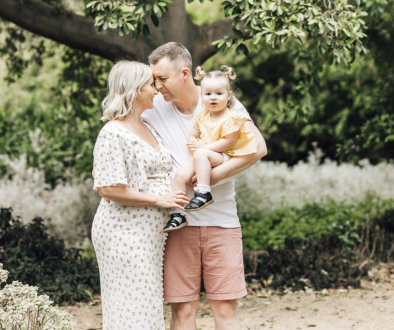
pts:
pixel 173 127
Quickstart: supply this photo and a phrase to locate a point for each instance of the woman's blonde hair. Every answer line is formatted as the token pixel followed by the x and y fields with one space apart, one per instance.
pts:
pixel 225 72
pixel 125 81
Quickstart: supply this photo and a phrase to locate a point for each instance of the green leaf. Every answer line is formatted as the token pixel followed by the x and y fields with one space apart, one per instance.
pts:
pixel 389 138
pixel 280 118
pixel 282 32
pixel 145 31
pixel 242 49
pixel 155 20
pixel 112 25
pixel 156 9
pixel 91 4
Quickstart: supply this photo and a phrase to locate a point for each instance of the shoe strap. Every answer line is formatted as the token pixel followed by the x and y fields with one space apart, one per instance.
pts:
pixel 174 217
pixel 201 197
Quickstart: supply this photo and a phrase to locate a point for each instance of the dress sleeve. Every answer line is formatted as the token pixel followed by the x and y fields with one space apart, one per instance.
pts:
pixel 109 163
pixel 197 121
pixel 232 124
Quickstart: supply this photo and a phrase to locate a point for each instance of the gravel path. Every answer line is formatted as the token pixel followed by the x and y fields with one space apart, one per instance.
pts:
pixel 370 307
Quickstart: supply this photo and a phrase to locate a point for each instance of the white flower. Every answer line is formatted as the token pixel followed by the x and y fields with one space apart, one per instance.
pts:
pixel 68 208
pixel 3 274
pixel 268 186
pixel 22 308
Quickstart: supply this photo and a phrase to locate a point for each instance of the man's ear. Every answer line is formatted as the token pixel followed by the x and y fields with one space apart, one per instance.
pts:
pixel 186 72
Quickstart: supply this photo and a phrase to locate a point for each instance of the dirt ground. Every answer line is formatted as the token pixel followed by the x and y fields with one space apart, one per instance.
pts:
pixel 369 307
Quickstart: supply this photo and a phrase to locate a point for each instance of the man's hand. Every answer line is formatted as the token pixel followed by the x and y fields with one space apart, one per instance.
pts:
pixel 193 180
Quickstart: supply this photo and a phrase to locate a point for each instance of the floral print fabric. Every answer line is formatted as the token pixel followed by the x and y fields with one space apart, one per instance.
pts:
pixel 128 240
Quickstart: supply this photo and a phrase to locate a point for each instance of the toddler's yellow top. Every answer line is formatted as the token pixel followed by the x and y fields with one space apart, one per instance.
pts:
pixel 213 129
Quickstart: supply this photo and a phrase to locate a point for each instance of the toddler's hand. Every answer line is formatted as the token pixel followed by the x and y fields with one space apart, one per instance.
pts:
pixel 192 146
pixel 200 144
pixel 192 139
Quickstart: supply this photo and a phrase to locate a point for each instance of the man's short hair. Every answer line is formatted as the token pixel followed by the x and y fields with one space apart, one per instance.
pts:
pixel 174 51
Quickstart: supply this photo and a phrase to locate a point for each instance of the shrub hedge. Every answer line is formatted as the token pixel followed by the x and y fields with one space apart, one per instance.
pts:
pixel 328 261
pixel 313 220
pixel 34 257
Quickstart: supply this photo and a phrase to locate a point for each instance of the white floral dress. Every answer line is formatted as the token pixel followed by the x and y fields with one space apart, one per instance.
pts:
pixel 128 240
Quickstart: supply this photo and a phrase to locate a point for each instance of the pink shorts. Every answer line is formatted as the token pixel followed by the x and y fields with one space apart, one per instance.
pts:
pixel 214 252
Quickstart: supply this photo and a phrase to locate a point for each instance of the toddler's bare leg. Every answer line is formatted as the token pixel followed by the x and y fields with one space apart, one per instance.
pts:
pixel 203 161
pixel 183 177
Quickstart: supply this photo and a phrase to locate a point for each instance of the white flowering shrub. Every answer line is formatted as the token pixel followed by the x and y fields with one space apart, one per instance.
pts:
pixel 3 275
pixel 268 186
pixel 22 308
pixel 68 209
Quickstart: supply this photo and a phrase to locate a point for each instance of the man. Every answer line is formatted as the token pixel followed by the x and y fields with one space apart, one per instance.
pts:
pixel 211 245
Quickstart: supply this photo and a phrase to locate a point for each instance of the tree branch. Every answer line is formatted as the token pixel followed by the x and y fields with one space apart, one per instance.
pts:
pixel 78 31
pixel 210 33
pixel 72 30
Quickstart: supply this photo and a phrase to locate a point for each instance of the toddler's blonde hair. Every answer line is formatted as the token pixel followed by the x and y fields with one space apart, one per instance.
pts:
pixel 225 72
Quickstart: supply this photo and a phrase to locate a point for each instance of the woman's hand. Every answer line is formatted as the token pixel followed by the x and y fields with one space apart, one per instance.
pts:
pixel 172 200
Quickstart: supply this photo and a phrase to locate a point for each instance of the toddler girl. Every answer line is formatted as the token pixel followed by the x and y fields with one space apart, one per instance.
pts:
pixel 218 133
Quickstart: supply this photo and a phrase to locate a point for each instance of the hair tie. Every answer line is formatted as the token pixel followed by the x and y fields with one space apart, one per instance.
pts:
pixel 228 72
pixel 200 73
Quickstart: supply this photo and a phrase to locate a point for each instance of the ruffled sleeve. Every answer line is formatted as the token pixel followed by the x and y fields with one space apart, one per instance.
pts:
pixel 232 124
pixel 109 163
pixel 197 120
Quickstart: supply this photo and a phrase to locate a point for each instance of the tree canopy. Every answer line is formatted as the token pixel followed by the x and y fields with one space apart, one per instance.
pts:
pixel 133 28
pixel 311 73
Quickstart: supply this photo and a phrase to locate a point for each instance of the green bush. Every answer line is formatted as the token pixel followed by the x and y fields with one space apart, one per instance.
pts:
pixel 348 114
pixel 312 220
pixel 34 257
pixel 338 258
pixel 54 119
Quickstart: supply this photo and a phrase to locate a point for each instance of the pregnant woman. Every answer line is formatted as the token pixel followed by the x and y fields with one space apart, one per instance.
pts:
pixel 131 174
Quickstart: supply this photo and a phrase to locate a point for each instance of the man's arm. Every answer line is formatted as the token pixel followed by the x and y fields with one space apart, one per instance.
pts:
pixel 236 165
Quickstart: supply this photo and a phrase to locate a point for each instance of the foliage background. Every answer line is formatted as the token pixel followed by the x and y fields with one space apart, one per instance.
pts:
pixel 50 100
pixel 50 108
pixel 330 133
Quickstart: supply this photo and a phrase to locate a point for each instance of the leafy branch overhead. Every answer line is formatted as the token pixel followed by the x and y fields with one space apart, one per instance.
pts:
pixel 333 28
pixel 126 16
pixel 296 99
